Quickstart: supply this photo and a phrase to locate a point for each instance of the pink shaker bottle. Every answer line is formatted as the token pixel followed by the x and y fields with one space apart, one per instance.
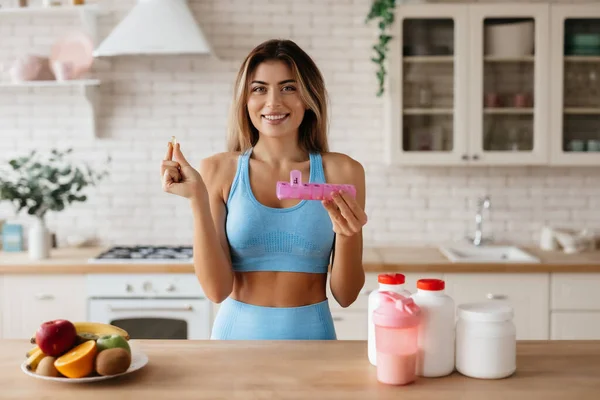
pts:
pixel 396 332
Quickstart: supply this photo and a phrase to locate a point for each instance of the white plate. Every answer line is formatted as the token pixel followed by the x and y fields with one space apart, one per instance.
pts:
pixel 138 361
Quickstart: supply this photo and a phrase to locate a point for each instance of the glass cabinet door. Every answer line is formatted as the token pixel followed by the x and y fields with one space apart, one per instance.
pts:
pixel 427 96
pixel 576 102
pixel 509 90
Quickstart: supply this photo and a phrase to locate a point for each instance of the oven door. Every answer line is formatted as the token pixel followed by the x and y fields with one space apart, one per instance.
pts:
pixel 155 318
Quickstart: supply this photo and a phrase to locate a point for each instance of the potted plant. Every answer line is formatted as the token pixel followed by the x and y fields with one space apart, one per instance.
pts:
pixel 40 184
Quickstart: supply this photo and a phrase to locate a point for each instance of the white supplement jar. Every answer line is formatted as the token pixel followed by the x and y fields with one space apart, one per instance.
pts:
pixel 437 329
pixel 387 282
pixel 486 340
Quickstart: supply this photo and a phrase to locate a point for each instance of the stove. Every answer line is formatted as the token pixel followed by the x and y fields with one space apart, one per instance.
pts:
pixel 145 255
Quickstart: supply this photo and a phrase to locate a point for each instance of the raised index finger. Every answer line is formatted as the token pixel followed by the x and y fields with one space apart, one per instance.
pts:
pixel 169 155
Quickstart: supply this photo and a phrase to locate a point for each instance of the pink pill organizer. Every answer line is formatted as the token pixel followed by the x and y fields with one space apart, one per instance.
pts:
pixel 295 189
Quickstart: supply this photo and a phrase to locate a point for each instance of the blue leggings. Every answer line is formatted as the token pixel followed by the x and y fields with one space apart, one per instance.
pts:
pixel 241 321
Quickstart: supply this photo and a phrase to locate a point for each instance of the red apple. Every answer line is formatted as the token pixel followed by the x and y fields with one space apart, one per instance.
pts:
pixel 56 337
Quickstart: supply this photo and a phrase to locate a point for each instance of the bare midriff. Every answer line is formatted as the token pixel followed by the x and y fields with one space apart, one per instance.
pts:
pixel 279 289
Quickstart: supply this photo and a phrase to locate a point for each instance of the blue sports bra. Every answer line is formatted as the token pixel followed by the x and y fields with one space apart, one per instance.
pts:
pixel 261 238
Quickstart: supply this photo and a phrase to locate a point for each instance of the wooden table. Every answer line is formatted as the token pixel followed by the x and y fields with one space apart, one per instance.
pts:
pixel 307 370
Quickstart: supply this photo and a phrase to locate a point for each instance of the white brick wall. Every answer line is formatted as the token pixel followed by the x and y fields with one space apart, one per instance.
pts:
pixel 146 100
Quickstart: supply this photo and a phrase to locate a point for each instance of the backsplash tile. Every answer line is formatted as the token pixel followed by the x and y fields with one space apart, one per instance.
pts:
pixel 146 100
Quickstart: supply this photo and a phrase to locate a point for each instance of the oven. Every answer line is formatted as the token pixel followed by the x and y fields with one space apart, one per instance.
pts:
pixel 150 306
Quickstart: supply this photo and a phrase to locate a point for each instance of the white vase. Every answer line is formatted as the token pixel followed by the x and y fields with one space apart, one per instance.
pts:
pixel 39 240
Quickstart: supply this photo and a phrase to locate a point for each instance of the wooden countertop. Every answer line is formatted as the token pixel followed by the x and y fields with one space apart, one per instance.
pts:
pixel 307 370
pixel 391 259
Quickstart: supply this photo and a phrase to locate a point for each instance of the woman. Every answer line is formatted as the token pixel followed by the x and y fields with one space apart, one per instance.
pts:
pixel 264 259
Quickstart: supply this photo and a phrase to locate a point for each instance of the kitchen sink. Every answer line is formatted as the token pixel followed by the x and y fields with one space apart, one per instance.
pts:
pixel 487 254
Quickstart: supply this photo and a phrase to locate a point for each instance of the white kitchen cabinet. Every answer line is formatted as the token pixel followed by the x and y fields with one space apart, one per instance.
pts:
pixel 575 306
pixel 426 107
pixel 350 324
pixel 455 97
pixel 528 294
pixel 575 292
pixel 575 325
pixel 508 87
pixel 575 78
pixel 29 300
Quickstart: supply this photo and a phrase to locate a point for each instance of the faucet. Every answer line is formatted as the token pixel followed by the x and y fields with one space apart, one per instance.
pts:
pixel 482 204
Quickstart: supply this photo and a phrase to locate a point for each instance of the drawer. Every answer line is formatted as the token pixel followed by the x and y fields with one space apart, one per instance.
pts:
pixel 371 283
pixel 528 294
pixel 350 325
pixel 575 291
pixel 575 325
pixel 29 300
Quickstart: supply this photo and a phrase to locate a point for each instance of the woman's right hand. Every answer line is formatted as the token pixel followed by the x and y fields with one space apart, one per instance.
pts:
pixel 178 176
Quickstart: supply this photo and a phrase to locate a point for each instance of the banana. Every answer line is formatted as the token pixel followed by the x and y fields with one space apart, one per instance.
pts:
pixel 100 329
pixel 34 359
pixel 95 329
pixel 30 352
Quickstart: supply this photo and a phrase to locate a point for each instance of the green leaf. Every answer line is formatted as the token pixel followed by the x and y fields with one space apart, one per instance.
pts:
pixel 38 185
pixel 383 11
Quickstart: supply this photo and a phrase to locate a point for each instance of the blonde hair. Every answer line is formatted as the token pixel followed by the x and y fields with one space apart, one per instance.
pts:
pixel 312 135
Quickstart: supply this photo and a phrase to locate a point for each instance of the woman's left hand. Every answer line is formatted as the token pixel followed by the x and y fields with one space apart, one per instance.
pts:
pixel 347 216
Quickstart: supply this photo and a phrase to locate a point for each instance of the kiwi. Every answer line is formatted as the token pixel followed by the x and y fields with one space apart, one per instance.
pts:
pixel 46 367
pixel 84 337
pixel 112 361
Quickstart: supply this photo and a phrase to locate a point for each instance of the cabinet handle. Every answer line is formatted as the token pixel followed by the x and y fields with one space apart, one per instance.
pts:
pixel 475 157
pixel 185 307
pixel 492 296
pixel 44 296
pixel 337 319
pixel 465 157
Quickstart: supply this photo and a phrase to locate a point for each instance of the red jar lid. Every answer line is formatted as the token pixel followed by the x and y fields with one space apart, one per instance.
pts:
pixel 391 279
pixel 431 284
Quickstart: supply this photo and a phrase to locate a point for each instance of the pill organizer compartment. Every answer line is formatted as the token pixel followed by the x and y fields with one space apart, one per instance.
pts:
pixel 295 189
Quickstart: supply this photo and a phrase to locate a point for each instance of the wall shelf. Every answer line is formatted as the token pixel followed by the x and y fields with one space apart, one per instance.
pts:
pixel 428 59
pixel 88 88
pixel 428 111
pixel 88 17
pixel 83 82
pixel 496 59
pixel 583 59
pixel 582 111
pixel 508 111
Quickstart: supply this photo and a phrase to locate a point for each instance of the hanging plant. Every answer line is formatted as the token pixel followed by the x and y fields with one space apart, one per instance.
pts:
pixel 383 11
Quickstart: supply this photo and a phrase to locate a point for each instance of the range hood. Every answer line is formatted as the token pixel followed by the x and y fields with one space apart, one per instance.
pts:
pixel 156 27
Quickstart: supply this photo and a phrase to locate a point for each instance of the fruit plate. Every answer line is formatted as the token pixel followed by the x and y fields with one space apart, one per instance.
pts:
pixel 138 361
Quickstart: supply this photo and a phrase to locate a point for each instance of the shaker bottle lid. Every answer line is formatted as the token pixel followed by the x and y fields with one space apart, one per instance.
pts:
pixel 485 311
pixel 396 311
pixel 431 284
pixel 391 279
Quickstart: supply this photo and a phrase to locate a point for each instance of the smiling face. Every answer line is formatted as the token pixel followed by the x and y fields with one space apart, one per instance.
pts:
pixel 274 103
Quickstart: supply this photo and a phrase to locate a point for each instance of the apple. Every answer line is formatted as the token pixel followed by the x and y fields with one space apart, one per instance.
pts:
pixel 112 341
pixel 56 337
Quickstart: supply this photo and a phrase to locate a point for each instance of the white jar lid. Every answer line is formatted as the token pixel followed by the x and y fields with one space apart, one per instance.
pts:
pixel 486 311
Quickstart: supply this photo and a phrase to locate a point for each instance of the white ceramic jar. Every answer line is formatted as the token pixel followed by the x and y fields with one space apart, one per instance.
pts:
pixel 436 330
pixel 486 340
pixel 387 282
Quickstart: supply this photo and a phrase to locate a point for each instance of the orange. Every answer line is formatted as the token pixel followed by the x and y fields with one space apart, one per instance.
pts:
pixel 79 361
